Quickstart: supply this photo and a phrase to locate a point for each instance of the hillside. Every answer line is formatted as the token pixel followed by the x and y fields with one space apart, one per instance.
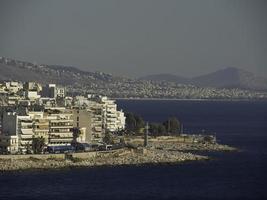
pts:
pixel 64 75
pixel 166 77
pixel 80 82
pixel 231 78
pixel 226 78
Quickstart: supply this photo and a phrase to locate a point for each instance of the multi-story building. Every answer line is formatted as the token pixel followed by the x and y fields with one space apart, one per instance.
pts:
pixel 60 126
pixel 53 91
pixel 9 143
pixel 32 86
pixel 57 116
pixel 97 122
pixel 40 125
pixel 82 120
pixel 95 110
pixel 19 126
pixel 109 114
pixel 13 99
pixel 55 125
pixel 32 95
pixel 49 91
pixel 120 123
pixel 47 102
pixel 113 120
pixel 41 129
pixel 13 86
pixel 60 91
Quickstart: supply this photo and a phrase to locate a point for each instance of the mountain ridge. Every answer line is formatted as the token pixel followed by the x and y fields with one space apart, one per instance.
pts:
pixel 229 77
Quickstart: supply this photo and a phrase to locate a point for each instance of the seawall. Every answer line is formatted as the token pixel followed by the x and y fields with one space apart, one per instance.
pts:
pixel 83 155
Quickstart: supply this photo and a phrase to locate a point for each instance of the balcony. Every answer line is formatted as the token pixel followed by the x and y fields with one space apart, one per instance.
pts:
pixel 61 135
pixel 61 120
pixel 26 132
pixel 25 142
pixel 62 127
pixel 58 140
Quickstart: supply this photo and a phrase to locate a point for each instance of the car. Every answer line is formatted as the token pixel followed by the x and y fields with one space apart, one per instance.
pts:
pixel 105 147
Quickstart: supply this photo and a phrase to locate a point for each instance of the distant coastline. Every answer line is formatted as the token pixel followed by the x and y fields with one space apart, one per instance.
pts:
pixel 177 99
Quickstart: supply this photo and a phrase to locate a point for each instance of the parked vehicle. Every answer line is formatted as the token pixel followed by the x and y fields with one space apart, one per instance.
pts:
pixel 105 147
pixel 83 147
pixel 60 149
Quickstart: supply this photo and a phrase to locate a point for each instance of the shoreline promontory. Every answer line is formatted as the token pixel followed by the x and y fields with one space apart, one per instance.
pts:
pixel 160 151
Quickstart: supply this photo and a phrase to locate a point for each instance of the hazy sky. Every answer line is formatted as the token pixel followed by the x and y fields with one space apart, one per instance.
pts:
pixel 137 37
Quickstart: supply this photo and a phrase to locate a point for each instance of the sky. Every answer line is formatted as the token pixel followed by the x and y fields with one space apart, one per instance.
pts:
pixel 137 37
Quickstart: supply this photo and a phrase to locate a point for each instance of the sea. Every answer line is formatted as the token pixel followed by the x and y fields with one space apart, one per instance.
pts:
pixel 228 175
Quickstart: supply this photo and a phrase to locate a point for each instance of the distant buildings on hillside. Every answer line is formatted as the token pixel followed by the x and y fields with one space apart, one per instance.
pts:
pixel 30 110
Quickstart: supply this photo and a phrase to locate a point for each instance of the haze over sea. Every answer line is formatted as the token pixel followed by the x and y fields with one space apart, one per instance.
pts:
pixel 235 175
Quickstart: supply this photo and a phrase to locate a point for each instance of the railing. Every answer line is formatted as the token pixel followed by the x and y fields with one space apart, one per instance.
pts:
pixel 63 134
pixel 62 126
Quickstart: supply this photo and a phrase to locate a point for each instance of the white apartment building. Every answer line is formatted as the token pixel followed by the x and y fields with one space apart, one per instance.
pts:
pixel 114 120
pixel 32 95
pixel 105 116
pixel 54 125
pixel 109 114
pixel 120 123
pixel 13 86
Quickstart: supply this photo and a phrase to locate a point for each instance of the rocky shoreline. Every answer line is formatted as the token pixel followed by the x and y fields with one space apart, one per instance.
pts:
pixel 172 146
pixel 114 158
pixel 158 152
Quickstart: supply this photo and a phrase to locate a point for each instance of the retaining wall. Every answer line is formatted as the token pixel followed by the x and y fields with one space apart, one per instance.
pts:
pixel 83 155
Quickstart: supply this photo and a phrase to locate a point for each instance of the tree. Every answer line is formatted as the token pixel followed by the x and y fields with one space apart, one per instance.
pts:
pixel 134 123
pixel 108 139
pixel 130 121
pixel 173 126
pixel 139 123
pixel 157 129
pixel 38 144
pixel 153 129
pixel 161 129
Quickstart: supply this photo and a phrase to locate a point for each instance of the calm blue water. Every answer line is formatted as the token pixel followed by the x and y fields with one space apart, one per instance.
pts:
pixel 239 175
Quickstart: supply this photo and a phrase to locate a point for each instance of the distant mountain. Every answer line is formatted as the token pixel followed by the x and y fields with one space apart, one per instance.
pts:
pixel 159 86
pixel 78 82
pixel 230 77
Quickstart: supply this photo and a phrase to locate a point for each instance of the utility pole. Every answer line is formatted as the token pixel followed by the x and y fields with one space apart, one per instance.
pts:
pixel 146 135
pixel 169 126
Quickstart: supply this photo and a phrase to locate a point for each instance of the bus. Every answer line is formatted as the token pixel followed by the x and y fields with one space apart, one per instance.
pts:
pixel 60 149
